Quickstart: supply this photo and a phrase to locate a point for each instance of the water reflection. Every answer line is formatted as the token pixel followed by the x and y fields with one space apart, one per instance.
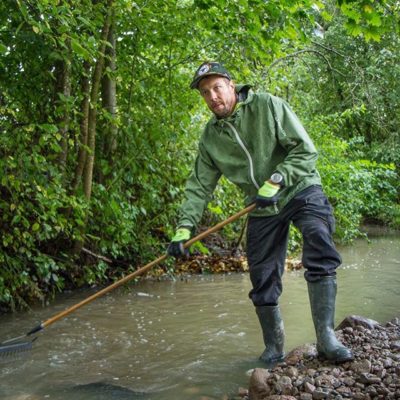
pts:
pixel 184 339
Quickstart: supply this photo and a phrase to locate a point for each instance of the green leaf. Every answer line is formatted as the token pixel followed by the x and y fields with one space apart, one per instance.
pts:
pixel 49 128
pixel 77 48
pixel 3 48
pixel 375 20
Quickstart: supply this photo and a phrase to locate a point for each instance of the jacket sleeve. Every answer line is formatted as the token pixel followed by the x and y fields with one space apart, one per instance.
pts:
pixel 301 153
pixel 199 189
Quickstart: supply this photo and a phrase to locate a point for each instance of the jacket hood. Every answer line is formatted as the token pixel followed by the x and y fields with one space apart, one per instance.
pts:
pixel 245 96
pixel 243 91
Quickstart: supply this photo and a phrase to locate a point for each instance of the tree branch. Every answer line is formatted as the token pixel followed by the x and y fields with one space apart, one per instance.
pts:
pixel 300 52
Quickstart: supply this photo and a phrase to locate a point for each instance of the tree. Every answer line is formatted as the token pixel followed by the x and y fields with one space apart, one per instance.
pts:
pixel 99 130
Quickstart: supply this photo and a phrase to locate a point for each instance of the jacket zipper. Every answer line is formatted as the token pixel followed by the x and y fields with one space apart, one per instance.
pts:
pixel 240 141
pixel 246 152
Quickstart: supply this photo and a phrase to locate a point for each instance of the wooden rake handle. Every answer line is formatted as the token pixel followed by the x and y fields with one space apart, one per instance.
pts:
pixel 139 271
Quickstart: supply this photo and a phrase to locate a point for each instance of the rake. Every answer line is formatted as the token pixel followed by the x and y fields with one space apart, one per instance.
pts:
pixel 12 347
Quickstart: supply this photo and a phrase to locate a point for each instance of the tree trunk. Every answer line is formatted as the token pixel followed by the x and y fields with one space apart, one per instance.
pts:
pixel 94 94
pixel 109 97
pixel 89 130
pixel 82 153
pixel 63 93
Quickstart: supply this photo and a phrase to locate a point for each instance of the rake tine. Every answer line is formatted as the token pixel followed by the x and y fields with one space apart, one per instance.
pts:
pixel 15 350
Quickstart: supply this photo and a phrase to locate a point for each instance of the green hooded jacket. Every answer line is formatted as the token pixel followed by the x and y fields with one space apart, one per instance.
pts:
pixel 261 137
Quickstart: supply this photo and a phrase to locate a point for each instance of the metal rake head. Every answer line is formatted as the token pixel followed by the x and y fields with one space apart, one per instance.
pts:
pixel 14 351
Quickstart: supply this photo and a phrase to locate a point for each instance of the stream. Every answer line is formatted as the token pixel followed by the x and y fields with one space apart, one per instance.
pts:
pixel 193 338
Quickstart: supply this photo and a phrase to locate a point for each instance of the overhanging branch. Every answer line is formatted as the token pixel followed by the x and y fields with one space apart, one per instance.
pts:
pixel 299 53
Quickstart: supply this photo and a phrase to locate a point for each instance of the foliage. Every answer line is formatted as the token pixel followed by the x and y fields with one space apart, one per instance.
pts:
pixel 342 89
pixel 50 52
pixel 358 189
pixel 38 219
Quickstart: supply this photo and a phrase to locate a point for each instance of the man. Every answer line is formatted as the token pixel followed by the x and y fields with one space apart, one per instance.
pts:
pixel 257 142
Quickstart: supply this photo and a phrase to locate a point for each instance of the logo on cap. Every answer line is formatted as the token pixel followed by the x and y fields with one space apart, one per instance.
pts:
pixel 203 69
pixel 208 68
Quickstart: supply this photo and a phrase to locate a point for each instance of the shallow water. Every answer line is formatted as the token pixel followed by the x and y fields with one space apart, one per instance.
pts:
pixel 186 339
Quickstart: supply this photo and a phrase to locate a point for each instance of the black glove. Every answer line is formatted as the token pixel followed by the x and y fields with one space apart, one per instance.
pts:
pixel 267 195
pixel 175 248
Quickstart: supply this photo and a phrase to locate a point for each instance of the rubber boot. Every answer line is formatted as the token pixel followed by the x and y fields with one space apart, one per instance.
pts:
pixel 322 295
pixel 273 334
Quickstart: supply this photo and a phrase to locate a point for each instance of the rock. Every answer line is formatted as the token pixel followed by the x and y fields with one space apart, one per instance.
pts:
pixel 360 396
pixel 319 394
pixel 284 385
pixel 362 366
pixel 105 390
pixel 309 387
pixel 394 322
pixel 369 378
pixel 259 388
pixel 336 372
pixel 292 372
pixel 349 381
pixel 371 391
pixel 326 380
pixel 395 345
pixel 345 391
pixel 297 354
pixel 354 321
pixel 387 362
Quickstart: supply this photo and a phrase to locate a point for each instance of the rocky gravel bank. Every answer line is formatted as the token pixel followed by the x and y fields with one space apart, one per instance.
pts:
pixel 373 374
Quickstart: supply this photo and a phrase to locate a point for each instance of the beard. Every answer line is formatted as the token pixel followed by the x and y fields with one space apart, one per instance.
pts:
pixel 222 111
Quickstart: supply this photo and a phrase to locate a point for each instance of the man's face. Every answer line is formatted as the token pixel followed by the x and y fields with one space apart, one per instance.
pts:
pixel 219 94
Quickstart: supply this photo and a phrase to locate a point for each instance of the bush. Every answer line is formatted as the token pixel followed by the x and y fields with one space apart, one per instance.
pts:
pixel 358 189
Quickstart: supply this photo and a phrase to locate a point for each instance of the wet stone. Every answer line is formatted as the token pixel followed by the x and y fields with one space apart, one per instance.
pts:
pixel 319 394
pixel 336 372
pixel 298 382
pixel 360 396
pixel 344 391
pixel 395 345
pixel 284 385
pixel 361 366
pixel 292 372
pixel 348 381
pixel 359 385
pixel 357 321
pixel 382 390
pixel 371 390
pixel 395 357
pixel 308 387
pixel 369 378
pixel 327 380
pixel 381 373
pixel 387 362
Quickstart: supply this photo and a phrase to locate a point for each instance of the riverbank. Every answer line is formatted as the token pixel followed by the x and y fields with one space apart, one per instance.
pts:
pixel 221 265
pixel 373 374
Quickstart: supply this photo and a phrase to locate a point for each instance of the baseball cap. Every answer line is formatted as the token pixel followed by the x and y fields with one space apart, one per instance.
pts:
pixel 207 69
